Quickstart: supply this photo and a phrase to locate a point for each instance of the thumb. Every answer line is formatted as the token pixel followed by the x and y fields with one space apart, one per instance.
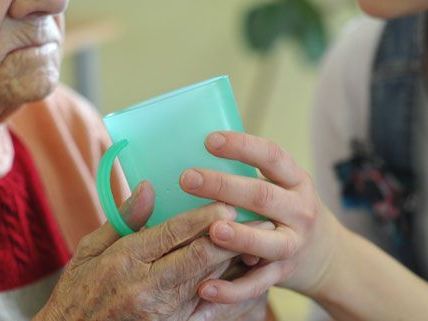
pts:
pixel 136 210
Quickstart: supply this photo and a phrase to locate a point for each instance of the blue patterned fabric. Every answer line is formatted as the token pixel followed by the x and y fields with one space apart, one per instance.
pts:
pixel 380 174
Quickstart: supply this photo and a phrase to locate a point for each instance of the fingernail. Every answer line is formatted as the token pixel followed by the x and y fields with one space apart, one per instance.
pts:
pixel 216 140
pixel 192 179
pixel 253 260
pixel 137 193
pixel 223 232
pixel 140 206
pixel 138 190
pixel 209 292
pixel 144 192
pixel 265 225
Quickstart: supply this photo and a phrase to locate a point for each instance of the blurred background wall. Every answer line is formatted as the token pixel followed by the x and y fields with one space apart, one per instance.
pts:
pixel 143 48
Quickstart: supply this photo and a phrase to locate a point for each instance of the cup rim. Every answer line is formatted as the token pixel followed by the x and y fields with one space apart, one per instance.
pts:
pixel 168 95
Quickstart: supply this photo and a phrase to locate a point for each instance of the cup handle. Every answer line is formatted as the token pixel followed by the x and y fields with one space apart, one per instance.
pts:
pixel 104 189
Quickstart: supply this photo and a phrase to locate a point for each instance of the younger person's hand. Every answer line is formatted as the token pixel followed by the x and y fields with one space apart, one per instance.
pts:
pixel 297 252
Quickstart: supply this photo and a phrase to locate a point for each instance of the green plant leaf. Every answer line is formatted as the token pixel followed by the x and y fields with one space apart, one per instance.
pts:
pixel 296 20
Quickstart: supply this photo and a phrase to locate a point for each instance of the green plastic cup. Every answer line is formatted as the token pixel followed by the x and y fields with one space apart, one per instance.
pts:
pixel 158 139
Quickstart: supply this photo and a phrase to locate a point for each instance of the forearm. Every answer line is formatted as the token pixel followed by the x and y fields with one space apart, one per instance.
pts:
pixel 365 284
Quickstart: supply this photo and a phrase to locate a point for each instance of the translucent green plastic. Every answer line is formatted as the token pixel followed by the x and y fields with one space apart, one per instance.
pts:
pixel 158 139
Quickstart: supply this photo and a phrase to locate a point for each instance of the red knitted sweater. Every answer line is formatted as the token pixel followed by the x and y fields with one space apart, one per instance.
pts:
pixel 31 246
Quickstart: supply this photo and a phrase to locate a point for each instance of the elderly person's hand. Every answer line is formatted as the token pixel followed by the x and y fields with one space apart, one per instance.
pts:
pixel 150 275
pixel 297 252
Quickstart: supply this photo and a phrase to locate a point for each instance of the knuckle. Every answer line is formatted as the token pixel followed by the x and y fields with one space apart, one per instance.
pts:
pixel 250 241
pixel 84 248
pixel 109 270
pixel 288 248
pixel 167 236
pixel 275 154
pixel 199 254
pixel 309 214
pixel 140 291
pixel 141 298
pixel 244 141
pixel 221 184
pixel 256 291
pixel 309 208
pixel 305 223
pixel 114 264
pixel 264 196
pixel 307 177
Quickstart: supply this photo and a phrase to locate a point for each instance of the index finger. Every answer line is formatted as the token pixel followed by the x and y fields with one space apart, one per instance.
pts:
pixel 193 261
pixel 150 244
pixel 279 244
pixel 273 162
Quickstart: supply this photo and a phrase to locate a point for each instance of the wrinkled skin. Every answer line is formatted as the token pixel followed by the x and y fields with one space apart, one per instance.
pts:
pixel 31 35
pixel 140 277
pixel 143 277
pixel 150 275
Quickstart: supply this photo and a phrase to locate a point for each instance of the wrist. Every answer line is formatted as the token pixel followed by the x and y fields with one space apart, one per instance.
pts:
pixel 338 273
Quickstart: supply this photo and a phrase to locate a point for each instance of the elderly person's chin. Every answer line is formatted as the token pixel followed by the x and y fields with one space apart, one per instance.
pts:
pixel 30 57
pixel 27 75
pixel 392 8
